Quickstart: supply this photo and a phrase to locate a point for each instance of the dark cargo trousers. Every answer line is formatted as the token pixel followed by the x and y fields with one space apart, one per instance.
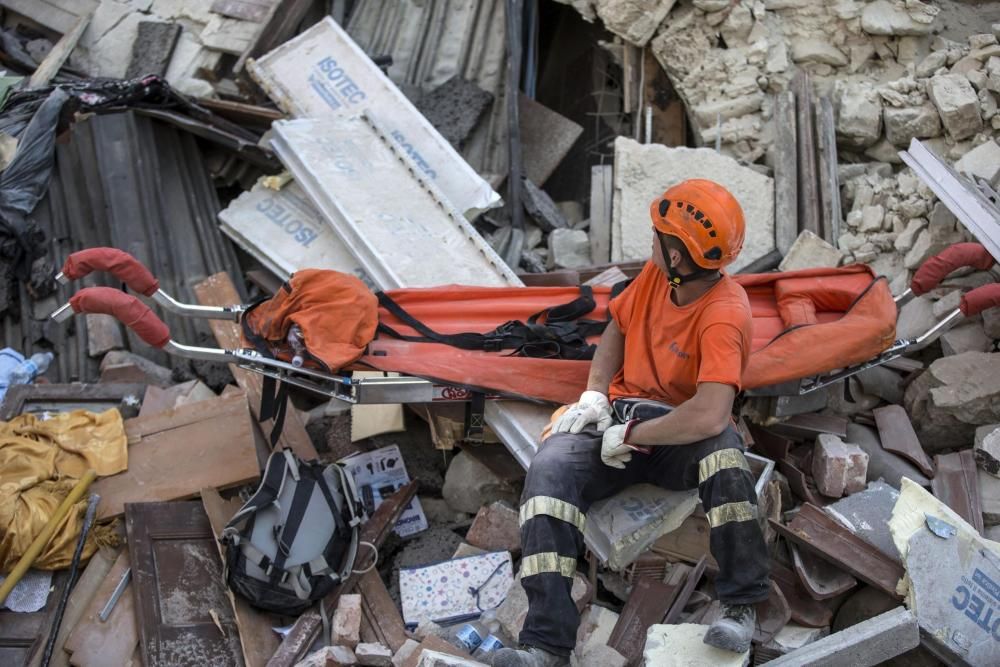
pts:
pixel 567 476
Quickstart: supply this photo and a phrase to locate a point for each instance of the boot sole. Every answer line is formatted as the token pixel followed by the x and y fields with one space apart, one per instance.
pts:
pixel 721 639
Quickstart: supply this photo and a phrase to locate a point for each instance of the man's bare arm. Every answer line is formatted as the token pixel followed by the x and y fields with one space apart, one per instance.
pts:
pixel 705 415
pixel 608 359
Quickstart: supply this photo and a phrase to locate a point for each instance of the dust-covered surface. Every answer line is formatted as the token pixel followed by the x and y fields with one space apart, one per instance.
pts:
pixel 185 570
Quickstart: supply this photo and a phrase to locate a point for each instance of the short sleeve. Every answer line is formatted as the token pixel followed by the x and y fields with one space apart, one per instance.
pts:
pixel 623 306
pixel 723 355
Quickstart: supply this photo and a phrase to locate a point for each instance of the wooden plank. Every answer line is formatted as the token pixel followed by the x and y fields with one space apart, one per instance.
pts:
pixel 957 486
pixel 828 539
pixel 694 576
pixel 647 604
pixel 807 427
pixel 93 643
pixel 182 613
pixel 60 52
pixel 79 600
pixel 378 609
pixel 307 628
pixel 254 11
pixel 895 432
pixel 786 173
pixel 216 450
pixel 601 193
pixel 690 542
pixel 218 290
pixel 256 636
pixel 829 187
pixel 808 199
pixel 57 15
pixel 67 397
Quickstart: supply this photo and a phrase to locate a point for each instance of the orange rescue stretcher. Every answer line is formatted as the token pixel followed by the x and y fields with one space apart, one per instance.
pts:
pixel 811 328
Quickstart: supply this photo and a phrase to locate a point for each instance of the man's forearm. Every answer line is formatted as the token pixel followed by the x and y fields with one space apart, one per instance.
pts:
pixel 678 427
pixel 608 359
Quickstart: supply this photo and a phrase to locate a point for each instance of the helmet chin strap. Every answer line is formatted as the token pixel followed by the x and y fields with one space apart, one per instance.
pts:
pixel 675 277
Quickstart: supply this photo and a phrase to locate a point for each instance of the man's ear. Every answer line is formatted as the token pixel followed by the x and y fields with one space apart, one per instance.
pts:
pixel 675 258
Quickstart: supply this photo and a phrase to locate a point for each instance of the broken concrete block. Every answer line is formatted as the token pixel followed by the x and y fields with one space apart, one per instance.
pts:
pixel 966 337
pixel 644 171
pixel 496 528
pixel 906 123
pixel 915 317
pixel 329 656
pixel 104 334
pixel 599 654
pixel 541 208
pixel 622 527
pixel 957 103
pixel 983 161
pixel 345 627
pixel 839 468
pixel 951 578
pixel 867 513
pixel 871 219
pixel 808 251
pixel 792 637
pixel 870 642
pixel 682 646
pixel 884 17
pixel 569 249
pixel 966 387
pixel 405 651
pixel 908 237
pixel 373 654
pixel 991 322
pixel 947 303
pixel 987 449
pixel 468 485
pixel 859 116
pixel 454 108
pixel 438 659
pixel 930 242
pixel 596 626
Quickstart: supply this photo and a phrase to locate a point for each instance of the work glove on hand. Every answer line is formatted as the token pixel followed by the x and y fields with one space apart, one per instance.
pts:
pixel 614 451
pixel 592 408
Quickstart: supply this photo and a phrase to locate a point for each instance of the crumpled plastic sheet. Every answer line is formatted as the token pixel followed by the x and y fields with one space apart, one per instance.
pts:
pixel 30 593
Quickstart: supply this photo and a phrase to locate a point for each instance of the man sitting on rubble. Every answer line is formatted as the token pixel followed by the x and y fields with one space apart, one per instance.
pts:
pixel 679 336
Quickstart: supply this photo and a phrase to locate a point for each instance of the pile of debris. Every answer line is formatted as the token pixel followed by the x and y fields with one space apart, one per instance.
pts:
pixel 228 145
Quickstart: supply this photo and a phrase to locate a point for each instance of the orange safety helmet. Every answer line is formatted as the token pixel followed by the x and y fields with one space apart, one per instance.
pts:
pixel 706 217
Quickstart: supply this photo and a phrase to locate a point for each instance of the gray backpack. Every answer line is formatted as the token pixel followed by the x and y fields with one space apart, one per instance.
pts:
pixel 297 536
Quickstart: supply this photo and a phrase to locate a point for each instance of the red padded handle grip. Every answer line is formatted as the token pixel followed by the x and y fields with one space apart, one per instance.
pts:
pixel 935 269
pixel 125 308
pixel 979 299
pixel 117 262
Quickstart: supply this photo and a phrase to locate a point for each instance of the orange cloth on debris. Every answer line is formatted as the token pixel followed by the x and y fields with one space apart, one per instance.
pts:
pixel 670 349
pixel 40 461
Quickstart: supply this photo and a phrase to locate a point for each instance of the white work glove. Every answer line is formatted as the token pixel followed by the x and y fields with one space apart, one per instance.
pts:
pixel 614 451
pixel 592 408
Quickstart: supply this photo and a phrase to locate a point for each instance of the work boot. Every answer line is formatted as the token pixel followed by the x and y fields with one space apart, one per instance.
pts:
pixel 529 656
pixel 734 629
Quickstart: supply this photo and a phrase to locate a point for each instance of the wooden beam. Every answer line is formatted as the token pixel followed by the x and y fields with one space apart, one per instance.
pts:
pixel 218 290
pixel 60 52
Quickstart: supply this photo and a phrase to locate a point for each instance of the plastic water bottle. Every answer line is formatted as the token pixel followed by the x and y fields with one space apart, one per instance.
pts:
pixel 31 368
pixel 297 344
pixel 10 359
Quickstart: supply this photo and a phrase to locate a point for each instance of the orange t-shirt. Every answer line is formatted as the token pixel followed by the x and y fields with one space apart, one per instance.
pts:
pixel 670 349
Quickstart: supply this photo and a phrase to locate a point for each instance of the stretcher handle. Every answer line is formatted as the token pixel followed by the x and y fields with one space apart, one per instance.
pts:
pixel 980 299
pixel 119 263
pixel 125 308
pixel 934 270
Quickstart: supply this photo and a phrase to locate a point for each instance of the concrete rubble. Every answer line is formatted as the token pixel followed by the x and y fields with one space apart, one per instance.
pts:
pixel 799 108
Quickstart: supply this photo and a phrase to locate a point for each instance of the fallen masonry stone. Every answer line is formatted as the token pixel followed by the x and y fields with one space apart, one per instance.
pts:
pixel 541 208
pixel 405 651
pixel 947 303
pixel 991 322
pixel 966 337
pixel 104 334
pixel 514 608
pixel 883 17
pixel 929 243
pixel 983 161
pixel 987 450
pixel 989 497
pixel 817 50
pixel 941 218
pixel 810 250
pixel 934 61
pixel 496 528
pixel 600 654
pixel 468 485
pixel 345 627
pixel 871 219
pixel 982 40
pixel 569 249
pixel 957 103
pixel 373 654
pixel 915 317
pixel 965 386
pixel 839 468
pixel 596 626
pixel 883 464
pixel 635 21
pixel 870 642
pixel 430 658
pixel 642 173
pixel 902 125
pixel 793 636
pixel 438 511
pixel 908 236
pixel 868 513
pixel 330 656
pixel 683 646
pixel 709 113
pixel 859 116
